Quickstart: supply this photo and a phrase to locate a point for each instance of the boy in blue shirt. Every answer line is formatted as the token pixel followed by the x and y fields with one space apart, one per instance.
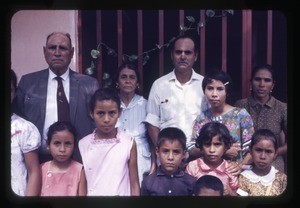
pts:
pixel 169 179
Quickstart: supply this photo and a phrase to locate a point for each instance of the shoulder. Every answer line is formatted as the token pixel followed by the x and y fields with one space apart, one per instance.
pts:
pixel 82 77
pixel 34 75
pixel 76 164
pixel 280 175
pixel 23 123
pixel 279 103
pixel 124 137
pixel 197 76
pixel 241 111
pixel 241 103
pixel 163 78
pixel 188 177
pixel 85 139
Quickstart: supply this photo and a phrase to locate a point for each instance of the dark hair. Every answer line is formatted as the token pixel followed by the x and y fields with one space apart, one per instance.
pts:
pixel 66 34
pixel 219 75
pixel 209 181
pixel 171 133
pixel 263 134
pixel 212 129
pixel 13 78
pixel 104 94
pixel 267 67
pixel 130 66
pixel 60 126
pixel 14 106
pixel 184 36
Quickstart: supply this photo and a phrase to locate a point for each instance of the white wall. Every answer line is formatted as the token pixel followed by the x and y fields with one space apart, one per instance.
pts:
pixel 29 30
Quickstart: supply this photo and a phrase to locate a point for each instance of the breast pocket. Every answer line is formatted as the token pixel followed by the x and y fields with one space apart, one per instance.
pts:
pixel 166 110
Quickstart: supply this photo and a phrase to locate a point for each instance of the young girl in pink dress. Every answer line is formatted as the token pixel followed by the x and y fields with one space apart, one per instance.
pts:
pixel 62 176
pixel 214 140
pixel 109 156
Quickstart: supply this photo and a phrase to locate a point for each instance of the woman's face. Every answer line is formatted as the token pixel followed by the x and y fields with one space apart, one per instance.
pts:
pixel 127 81
pixel 215 93
pixel 262 83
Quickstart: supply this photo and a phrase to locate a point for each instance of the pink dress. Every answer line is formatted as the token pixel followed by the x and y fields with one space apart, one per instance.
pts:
pixel 105 164
pixel 198 168
pixel 61 183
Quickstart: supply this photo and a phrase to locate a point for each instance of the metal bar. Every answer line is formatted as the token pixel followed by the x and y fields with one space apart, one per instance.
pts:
pixel 161 41
pixel 269 36
pixel 120 36
pixel 246 51
pixel 140 48
pixel 202 43
pixel 99 40
pixel 224 43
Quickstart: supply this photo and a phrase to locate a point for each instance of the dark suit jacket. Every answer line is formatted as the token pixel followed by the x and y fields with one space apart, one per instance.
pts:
pixel 32 95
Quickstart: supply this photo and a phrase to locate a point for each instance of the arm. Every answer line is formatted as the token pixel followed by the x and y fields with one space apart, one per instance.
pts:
pixel 153 133
pixel 34 182
pixel 82 188
pixel 133 171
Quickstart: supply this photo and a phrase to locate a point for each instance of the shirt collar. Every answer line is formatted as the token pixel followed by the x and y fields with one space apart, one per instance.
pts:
pixel 269 104
pixel 220 169
pixel 64 76
pixel 172 76
pixel 178 173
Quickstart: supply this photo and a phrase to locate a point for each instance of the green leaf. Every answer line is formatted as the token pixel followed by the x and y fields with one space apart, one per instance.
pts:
pixel 190 19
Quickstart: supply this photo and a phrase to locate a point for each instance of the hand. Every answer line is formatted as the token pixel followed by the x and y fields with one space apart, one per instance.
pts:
pixel 234 168
pixel 233 151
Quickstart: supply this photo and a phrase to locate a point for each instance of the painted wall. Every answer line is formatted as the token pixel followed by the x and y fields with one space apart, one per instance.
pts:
pixel 29 29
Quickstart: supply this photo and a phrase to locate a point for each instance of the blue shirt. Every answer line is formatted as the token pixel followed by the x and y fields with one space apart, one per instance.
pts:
pixel 161 184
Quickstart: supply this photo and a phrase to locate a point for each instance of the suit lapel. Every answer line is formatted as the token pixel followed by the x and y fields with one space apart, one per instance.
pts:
pixel 74 89
pixel 43 85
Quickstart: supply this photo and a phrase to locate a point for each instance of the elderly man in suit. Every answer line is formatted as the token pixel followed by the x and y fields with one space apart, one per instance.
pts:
pixel 37 92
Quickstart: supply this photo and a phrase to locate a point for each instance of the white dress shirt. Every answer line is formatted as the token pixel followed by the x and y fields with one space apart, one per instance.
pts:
pixel 172 104
pixel 51 105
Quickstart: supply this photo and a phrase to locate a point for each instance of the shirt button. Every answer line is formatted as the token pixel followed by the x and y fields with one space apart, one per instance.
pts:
pixel 170 191
pixel 49 174
pixel 172 176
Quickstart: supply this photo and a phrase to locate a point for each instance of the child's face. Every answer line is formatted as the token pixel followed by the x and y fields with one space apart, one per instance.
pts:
pixel 170 155
pixel 208 192
pixel 214 151
pixel 263 154
pixel 61 146
pixel 105 115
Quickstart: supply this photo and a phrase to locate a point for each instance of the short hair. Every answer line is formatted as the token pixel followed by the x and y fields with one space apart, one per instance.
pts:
pixel 219 75
pixel 130 66
pixel 172 134
pixel 212 129
pixel 61 126
pixel 267 67
pixel 184 36
pixel 263 134
pixel 66 34
pixel 104 94
pixel 209 181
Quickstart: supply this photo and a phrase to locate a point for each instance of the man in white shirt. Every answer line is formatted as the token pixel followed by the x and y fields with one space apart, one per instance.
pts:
pixel 176 98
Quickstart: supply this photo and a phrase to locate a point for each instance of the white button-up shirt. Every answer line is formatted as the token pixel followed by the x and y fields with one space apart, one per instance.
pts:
pixel 172 104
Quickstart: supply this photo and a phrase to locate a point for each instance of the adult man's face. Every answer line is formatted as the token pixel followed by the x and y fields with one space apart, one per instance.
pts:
pixel 183 54
pixel 58 53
